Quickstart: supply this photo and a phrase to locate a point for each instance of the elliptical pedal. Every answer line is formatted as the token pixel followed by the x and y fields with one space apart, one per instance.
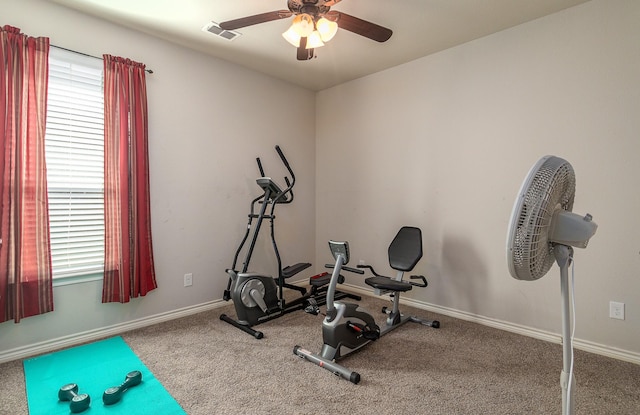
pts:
pixel 312 307
pixel 291 270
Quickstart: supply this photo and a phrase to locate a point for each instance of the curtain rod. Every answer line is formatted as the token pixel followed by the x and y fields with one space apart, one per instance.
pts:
pixel 91 56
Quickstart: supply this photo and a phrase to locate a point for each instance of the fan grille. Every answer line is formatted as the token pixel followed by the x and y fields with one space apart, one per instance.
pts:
pixel 549 187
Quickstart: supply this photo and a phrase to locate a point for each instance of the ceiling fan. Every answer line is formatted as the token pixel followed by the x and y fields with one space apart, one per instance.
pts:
pixel 314 23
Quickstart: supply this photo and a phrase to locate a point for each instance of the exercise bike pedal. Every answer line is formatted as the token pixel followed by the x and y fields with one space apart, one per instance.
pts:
pixel 366 331
pixel 371 334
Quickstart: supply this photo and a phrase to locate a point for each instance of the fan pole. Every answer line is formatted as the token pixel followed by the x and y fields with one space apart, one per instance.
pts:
pixel 563 256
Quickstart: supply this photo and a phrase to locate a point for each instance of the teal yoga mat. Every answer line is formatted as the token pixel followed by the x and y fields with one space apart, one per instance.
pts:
pixel 95 367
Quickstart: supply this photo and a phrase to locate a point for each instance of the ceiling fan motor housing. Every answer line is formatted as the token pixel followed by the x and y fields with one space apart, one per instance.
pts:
pixel 308 7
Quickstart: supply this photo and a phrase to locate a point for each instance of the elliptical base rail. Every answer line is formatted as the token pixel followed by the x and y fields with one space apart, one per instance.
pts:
pixel 316 298
pixel 255 333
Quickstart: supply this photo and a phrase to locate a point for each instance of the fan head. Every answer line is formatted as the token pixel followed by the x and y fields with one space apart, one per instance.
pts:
pixel 542 218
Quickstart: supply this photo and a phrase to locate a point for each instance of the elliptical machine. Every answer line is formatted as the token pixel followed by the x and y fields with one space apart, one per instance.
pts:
pixel 347 327
pixel 258 297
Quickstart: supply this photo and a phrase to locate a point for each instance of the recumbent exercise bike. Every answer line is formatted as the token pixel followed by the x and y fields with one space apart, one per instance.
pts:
pixel 347 327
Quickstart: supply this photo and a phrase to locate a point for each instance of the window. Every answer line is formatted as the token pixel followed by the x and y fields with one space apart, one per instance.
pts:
pixel 74 145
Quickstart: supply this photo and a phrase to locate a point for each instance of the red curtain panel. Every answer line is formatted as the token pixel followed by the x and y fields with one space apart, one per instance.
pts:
pixel 26 287
pixel 129 270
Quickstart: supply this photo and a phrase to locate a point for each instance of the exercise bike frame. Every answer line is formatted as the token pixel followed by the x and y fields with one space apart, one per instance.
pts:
pixel 349 327
pixel 344 323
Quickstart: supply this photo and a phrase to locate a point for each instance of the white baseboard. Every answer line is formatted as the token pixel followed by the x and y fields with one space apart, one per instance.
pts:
pixel 587 346
pixel 91 335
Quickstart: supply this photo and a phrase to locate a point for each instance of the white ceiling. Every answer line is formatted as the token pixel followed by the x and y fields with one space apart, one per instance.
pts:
pixel 420 28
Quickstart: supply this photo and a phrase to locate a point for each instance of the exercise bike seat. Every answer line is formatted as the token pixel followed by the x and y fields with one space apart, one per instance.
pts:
pixel 386 283
pixel 404 253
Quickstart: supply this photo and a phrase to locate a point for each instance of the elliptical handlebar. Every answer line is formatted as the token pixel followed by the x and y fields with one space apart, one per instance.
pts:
pixel 291 183
pixel 281 197
pixel 290 186
pixel 272 195
pixel 260 169
pixel 284 160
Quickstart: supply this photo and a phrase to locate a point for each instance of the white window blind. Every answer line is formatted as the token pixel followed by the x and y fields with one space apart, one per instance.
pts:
pixel 74 145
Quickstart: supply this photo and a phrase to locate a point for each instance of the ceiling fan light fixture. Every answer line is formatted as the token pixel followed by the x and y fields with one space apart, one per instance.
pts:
pixel 314 40
pixel 292 37
pixel 326 28
pixel 303 25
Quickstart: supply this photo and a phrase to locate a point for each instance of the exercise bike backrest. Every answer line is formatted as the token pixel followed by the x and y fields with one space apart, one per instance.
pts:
pixel 404 253
pixel 340 251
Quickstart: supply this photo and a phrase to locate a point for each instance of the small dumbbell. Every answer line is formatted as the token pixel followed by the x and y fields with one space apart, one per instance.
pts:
pixel 79 402
pixel 114 394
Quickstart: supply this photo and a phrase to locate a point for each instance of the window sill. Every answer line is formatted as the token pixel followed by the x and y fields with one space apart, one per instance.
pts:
pixel 77 279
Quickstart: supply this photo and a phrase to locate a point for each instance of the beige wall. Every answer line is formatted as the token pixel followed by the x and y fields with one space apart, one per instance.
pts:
pixel 444 143
pixel 209 120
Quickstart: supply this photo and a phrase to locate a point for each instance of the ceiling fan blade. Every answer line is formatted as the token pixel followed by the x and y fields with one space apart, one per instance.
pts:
pixel 255 19
pixel 331 3
pixel 360 27
pixel 304 54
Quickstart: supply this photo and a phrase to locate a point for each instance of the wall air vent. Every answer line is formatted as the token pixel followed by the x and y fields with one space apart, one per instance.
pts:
pixel 214 28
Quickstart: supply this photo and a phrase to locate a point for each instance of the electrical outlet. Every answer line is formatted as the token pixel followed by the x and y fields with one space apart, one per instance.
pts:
pixel 616 310
pixel 188 280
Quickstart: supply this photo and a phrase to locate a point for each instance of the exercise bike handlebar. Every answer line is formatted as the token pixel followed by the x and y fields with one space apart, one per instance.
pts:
pixel 370 268
pixel 417 284
pixel 413 277
pixel 335 278
pixel 354 270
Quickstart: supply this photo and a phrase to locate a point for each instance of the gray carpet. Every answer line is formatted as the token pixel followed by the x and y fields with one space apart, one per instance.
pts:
pixel 462 368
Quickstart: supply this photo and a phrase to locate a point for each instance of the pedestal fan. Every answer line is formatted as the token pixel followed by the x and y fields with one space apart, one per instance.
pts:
pixel 542 231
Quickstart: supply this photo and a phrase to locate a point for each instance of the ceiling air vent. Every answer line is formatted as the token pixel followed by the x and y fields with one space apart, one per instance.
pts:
pixel 214 28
